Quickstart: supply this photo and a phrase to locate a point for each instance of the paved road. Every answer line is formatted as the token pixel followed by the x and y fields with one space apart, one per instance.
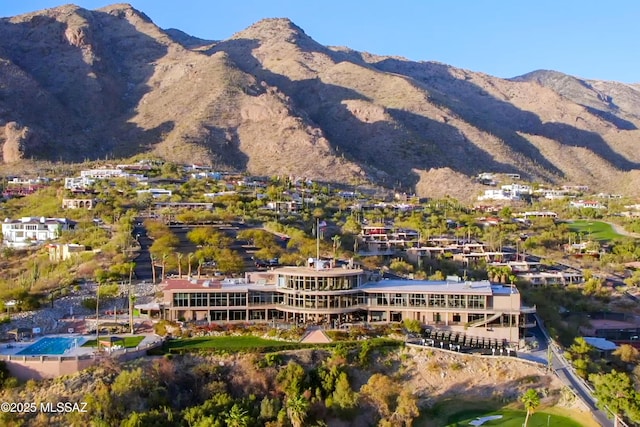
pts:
pixel 568 376
pixel 143 260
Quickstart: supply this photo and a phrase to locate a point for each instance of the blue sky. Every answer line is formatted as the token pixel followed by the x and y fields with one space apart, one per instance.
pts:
pixel 586 38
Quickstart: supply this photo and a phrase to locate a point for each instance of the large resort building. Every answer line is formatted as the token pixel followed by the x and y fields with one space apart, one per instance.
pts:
pixel 338 296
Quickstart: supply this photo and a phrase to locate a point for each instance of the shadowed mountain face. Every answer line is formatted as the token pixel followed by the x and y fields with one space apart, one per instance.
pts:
pixel 78 84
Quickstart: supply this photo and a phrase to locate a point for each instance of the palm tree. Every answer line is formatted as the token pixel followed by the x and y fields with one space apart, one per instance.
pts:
pixel 531 401
pixel 189 257
pixel 153 268
pixel 336 245
pixel 164 262
pixel 297 408
pixel 238 417
pixel 200 263
pixel 180 255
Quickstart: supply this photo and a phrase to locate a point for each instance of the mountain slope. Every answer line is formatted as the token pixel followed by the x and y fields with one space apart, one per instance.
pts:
pixel 271 100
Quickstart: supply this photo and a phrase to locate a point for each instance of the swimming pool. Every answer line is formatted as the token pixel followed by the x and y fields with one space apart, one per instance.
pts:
pixel 51 345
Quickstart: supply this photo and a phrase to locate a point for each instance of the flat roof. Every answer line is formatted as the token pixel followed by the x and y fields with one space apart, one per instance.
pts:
pixel 483 287
pixel 214 286
pixel 311 271
pixel 612 324
pixel 601 343
pixel 192 284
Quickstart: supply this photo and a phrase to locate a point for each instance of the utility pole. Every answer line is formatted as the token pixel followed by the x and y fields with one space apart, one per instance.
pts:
pixel 317 244
pixel 130 296
pixel 153 268
pixel 98 315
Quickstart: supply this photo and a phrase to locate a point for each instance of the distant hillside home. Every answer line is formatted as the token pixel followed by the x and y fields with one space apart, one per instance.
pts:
pixel 156 192
pixel 511 192
pixel 78 204
pixel 28 231
pixel 553 194
pixel 90 175
pixel 78 183
pixel 60 252
pixel 103 173
pixel 284 206
pixel 497 195
pixel 539 214
pixel 587 204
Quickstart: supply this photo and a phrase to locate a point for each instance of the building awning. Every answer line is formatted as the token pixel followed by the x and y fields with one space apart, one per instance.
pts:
pixel 152 306
pixel 111 341
pixel 601 343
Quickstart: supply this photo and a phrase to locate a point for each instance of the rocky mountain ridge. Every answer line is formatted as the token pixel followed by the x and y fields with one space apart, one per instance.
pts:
pixel 78 84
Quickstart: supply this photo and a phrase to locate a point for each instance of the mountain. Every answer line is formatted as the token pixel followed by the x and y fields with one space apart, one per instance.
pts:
pixel 78 84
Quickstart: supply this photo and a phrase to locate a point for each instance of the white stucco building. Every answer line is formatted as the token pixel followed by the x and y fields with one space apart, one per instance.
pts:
pixel 28 231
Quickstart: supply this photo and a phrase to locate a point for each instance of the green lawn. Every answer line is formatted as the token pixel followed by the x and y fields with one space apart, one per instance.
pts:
pixel 598 230
pixel 227 343
pixel 129 342
pixel 511 418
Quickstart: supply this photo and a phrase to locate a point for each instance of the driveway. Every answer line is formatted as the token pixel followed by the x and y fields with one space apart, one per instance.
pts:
pixel 143 260
pixel 568 376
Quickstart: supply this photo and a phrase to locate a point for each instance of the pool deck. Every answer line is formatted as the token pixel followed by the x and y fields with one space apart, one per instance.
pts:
pixel 13 348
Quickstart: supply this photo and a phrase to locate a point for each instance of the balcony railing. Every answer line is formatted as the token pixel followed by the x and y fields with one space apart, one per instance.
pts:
pixel 528 310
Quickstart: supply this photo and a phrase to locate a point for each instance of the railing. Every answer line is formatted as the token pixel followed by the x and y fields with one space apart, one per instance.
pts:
pixel 528 310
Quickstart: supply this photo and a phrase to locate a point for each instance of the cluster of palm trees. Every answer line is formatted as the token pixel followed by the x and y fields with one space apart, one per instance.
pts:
pixel 179 256
pixel 501 274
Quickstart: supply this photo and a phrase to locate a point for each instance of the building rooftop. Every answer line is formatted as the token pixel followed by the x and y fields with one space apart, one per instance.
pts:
pixel 230 284
pixel 483 287
pixel 601 343
pixel 312 271
pixel 37 220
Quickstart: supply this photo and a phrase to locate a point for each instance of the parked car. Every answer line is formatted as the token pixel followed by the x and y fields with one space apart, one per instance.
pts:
pixel 273 262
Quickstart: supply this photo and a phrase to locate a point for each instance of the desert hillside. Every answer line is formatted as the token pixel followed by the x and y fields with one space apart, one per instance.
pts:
pixel 188 388
pixel 109 83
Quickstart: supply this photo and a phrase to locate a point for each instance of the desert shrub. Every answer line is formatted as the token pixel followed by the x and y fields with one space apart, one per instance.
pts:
pixel 413 326
pixel 456 366
pixel 89 303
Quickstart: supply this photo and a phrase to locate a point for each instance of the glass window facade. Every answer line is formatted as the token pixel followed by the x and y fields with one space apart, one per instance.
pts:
pixel 437 300
pixel 456 301
pixel 181 299
pixel 477 301
pixel 316 283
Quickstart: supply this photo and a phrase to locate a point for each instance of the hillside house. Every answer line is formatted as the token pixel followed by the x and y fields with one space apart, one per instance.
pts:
pixel 78 204
pixel 61 252
pixel 29 231
pixel 156 192
pixel 592 204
